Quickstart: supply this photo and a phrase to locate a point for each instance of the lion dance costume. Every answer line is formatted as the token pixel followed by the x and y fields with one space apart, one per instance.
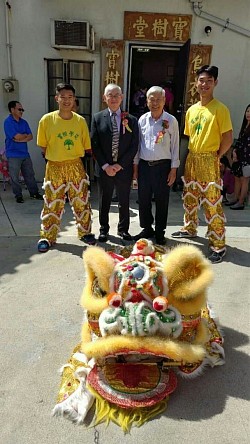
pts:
pixel 147 322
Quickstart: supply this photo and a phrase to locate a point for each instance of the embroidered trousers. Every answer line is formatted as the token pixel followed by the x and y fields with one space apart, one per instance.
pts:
pixel 202 187
pixel 61 178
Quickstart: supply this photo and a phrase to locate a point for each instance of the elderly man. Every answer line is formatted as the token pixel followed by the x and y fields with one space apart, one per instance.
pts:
pixel 115 138
pixel 158 161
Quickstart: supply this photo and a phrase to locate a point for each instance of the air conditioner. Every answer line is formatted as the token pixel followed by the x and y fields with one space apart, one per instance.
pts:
pixel 71 34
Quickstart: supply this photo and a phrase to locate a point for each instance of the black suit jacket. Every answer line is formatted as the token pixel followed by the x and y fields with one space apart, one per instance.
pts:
pixel 101 140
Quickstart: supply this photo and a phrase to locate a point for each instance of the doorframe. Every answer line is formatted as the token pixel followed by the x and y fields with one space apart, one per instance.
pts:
pixel 129 45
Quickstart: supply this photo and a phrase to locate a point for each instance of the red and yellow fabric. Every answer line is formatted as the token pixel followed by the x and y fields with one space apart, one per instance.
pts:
pixel 60 178
pixel 202 187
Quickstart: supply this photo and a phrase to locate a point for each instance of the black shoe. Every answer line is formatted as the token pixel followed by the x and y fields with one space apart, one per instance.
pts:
pixel 124 235
pixel 103 237
pixel 160 240
pixel 19 199
pixel 36 196
pixel 89 239
pixel 146 233
pixel 182 234
pixel 216 257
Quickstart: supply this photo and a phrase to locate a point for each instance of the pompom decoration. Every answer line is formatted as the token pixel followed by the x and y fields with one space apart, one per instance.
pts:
pixel 144 247
pixel 114 300
pixel 160 303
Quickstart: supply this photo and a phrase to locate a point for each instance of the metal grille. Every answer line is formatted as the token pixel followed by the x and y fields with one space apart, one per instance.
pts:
pixel 74 34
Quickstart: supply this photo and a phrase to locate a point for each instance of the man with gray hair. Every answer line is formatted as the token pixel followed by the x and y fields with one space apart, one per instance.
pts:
pixel 158 158
pixel 114 137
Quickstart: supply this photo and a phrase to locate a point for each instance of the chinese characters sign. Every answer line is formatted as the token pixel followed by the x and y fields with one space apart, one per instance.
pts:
pixel 112 62
pixel 159 27
pixel 199 55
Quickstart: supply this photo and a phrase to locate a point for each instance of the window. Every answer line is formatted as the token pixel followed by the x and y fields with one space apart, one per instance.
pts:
pixel 79 74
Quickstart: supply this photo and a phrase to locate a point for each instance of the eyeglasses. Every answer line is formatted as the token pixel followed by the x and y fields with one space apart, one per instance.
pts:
pixel 113 96
pixel 21 110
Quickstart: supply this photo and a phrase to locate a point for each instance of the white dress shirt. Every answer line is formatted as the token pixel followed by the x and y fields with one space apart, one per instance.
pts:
pixel 149 150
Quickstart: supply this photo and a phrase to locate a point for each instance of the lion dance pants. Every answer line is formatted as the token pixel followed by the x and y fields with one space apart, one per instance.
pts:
pixel 61 178
pixel 202 187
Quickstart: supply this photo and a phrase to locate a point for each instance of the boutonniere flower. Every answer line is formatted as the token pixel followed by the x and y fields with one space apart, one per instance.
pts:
pixel 160 134
pixel 124 117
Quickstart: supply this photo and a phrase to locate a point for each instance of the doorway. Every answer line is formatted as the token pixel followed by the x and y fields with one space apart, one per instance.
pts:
pixel 165 66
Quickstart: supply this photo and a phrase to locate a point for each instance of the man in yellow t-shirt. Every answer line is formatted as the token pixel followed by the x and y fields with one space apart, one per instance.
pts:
pixel 208 125
pixel 63 137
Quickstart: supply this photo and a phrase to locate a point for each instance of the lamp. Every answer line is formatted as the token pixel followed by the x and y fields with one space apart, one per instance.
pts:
pixel 207 30
pixel 8 86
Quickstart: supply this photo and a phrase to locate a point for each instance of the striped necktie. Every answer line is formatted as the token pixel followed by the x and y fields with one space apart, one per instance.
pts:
pixel 115 137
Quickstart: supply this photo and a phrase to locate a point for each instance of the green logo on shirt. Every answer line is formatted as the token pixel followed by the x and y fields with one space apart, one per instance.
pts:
pixel 68 142
pixel 197 122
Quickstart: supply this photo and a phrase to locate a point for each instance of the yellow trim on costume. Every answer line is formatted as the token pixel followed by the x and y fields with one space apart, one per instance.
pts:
pixel 178 351
pixel 125 418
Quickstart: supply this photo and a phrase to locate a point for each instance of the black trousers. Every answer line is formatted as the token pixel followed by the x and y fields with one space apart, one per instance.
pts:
pixel 122 181
pixel 152 180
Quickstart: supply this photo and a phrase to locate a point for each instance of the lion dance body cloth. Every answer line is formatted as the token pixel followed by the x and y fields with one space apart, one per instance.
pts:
pixel 147 322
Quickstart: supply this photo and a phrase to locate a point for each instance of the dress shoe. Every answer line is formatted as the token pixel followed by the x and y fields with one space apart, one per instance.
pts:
pixel 89 239
pixel 19 199
pixel 146 233
pixel 124 235
pixel 36 196
pixel 160 240
pixel 103 237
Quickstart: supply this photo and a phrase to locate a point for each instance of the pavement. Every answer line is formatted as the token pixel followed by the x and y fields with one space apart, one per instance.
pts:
pixel 41 322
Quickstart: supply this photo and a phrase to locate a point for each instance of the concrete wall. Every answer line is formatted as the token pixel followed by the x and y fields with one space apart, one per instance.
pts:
pixel 30 39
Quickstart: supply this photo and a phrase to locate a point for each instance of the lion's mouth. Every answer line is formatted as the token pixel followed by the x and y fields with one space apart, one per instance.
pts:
pixel 152 348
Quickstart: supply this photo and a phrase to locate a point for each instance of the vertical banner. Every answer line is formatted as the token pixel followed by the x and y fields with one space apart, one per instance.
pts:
pixel 199 55
pixel 112 55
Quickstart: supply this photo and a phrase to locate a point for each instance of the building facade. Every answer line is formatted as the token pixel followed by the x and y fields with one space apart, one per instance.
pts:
pixel 132 43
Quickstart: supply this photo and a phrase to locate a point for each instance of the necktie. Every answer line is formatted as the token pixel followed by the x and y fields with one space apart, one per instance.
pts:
pixel 115 138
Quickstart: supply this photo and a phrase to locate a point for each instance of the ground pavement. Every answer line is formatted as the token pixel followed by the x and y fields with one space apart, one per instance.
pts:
pixel 41 322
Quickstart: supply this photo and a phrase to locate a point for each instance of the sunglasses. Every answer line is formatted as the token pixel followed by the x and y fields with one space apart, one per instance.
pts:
pixel 20 109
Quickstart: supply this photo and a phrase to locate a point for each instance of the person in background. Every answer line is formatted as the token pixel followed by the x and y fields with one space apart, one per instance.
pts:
pixel 209 127
pixel 63 136
pixel 139 103
pixel 114 136
pixel 17 134
pixel 158 157
pixel 241 163
pixel 169 97
pixel 228 180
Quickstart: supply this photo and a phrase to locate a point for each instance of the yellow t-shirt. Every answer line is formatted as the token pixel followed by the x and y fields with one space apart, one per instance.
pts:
pixel 63 139
pixel 205 125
